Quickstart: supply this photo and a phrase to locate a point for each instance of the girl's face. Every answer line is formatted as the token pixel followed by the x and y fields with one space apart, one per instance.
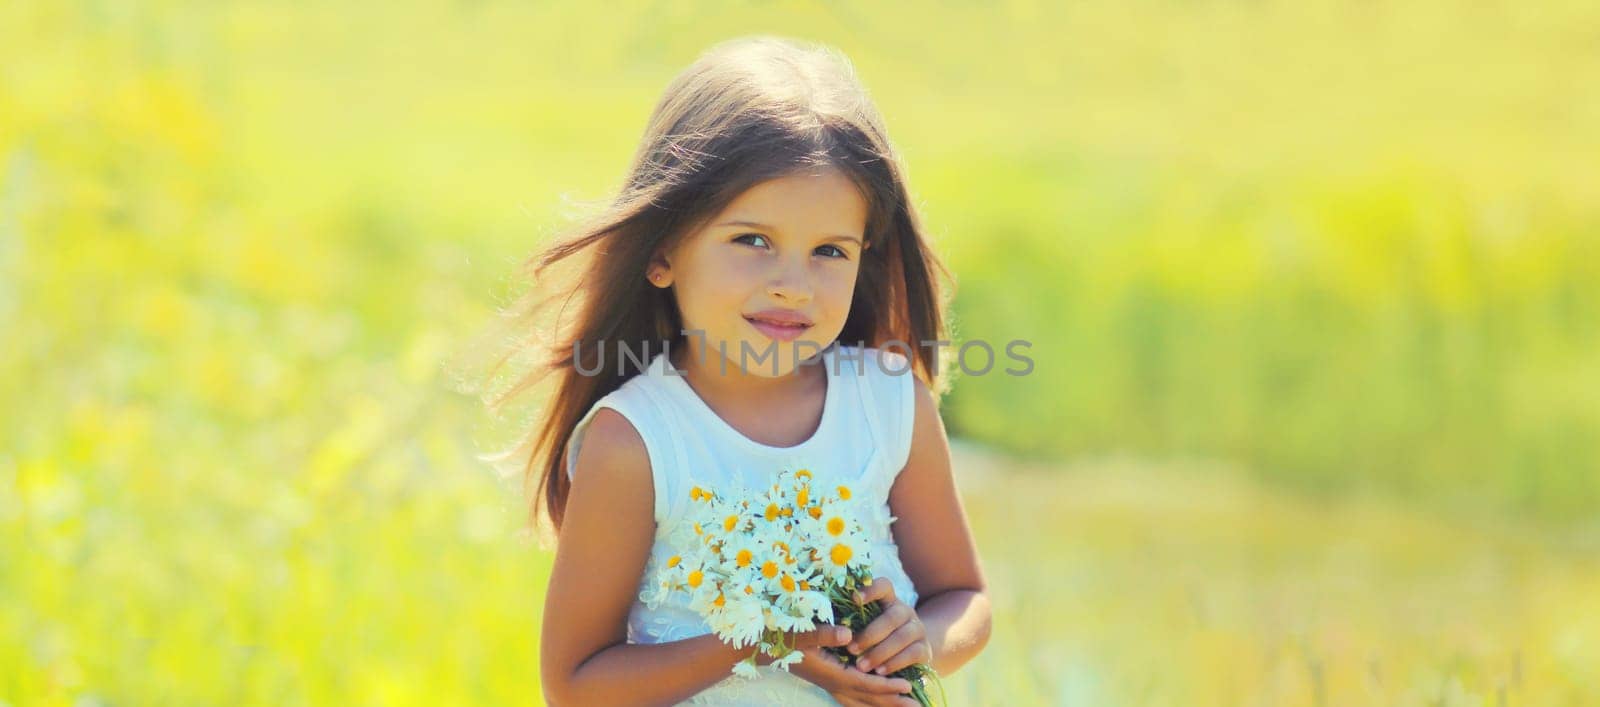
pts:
pixel 788 246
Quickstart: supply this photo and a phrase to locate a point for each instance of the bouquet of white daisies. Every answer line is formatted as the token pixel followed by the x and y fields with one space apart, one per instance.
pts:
pixel 761 565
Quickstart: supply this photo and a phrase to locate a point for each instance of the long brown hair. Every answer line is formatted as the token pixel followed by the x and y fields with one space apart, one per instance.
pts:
pixel 746 111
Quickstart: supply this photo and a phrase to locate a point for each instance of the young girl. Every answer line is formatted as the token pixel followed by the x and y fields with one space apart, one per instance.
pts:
pixel 764 223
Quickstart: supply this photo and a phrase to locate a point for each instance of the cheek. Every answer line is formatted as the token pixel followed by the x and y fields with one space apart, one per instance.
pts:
pixel 730 279
pixel 718 284
pixel 839 284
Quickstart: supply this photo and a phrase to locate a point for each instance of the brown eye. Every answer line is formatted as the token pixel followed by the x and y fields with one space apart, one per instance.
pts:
pixel 739 238
pixel 841 252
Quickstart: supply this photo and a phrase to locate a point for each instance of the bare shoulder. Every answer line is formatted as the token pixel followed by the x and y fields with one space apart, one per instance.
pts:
pixel 927 425
pixel 612 492
pixel 936 543
pixel 930 445
pixel 926 407
pixel 601 552
pixel 612 453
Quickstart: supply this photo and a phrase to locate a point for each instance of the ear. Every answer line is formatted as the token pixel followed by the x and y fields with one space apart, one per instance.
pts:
pixel 659 271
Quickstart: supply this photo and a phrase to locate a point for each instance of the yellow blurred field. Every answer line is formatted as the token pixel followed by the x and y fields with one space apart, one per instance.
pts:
pixel 1311 288
pixel 1181 584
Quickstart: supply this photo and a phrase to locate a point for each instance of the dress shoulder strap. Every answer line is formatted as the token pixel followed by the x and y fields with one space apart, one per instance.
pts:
pixel 888 399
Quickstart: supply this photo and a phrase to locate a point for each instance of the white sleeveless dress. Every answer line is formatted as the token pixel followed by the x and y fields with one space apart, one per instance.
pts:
pixel 863 442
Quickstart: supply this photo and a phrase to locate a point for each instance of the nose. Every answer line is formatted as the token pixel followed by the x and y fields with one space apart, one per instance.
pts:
pixel 791 282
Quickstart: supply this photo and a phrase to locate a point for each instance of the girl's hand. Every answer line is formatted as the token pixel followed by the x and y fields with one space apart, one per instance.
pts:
pixel 848 686
pixel 896 639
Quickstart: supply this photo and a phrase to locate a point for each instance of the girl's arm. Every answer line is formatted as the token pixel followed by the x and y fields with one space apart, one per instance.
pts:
pixel 604 543
pixel 936 546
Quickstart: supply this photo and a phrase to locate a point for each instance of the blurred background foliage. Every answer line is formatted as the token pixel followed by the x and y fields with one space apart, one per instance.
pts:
pixel 1311 288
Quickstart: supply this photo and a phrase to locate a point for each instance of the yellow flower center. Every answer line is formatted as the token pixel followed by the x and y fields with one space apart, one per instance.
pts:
pixel 748 590
pixel 695 493
pixel 674 561
pixel 720 600
pixel 772 511
pixel 804 584
pixel 803 497
pixel 844 492
pixel 835 525
pixel 788 583
pixel 744 558
pixel 815 511
pixel 696 577
pixel 728 524
pixel 769 569
pixel 840 554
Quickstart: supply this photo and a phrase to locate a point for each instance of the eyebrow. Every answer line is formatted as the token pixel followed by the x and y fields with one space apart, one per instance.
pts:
pixel 765 227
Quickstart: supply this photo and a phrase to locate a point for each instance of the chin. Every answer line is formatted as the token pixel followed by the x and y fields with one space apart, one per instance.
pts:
pixel 788 355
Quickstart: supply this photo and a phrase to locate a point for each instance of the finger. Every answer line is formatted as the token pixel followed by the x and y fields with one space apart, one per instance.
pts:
pixel 817 659
pixel 869 684
pixel 918 652
pixel 881 700
pixel 894 615
pixel 849 678
pixel 824 636
pixel 868 700
pixel 881 589
pixel 901 638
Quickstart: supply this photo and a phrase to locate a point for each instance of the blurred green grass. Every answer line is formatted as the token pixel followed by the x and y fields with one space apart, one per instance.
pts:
pixel 1349 248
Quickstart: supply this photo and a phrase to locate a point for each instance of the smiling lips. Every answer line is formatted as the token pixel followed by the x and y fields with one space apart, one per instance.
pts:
pixel 779 324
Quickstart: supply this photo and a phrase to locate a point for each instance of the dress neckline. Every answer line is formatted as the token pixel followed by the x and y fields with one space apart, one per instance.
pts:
pixel 698 406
